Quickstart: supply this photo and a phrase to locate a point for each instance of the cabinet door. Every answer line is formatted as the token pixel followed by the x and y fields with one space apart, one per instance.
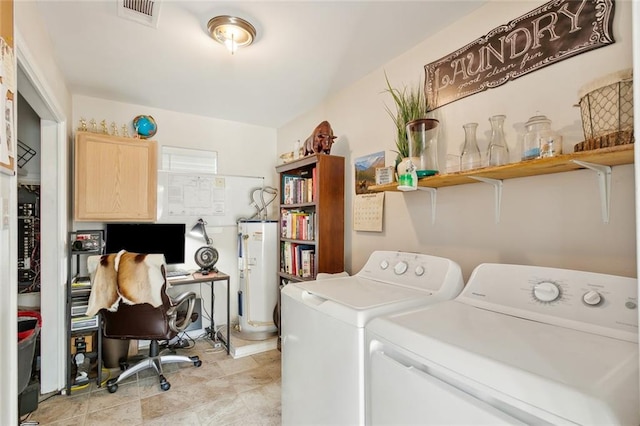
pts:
pixel 115 178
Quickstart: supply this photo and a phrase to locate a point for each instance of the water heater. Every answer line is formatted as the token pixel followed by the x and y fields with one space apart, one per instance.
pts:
pixel 258 292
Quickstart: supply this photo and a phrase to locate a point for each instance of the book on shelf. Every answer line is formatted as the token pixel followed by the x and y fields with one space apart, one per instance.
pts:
pixel 297 259
pixel 297 189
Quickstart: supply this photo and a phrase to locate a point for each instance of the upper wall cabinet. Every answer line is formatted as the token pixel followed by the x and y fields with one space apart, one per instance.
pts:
pixel 115 179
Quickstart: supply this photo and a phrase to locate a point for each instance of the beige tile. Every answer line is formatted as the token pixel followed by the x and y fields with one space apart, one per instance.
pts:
pixel 224 411
pixel 188 417
pixel 73 421
pixel 231 366
pixel 60 408
pixel 102 399
pixel 267 357
pixel 128 413
pixel 250 379
pixel 263 401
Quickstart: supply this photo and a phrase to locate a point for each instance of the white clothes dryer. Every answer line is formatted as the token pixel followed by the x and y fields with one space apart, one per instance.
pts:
pixel 323 346
pixel 520 345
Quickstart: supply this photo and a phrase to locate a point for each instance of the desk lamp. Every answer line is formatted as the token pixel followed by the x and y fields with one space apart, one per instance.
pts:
pixel 206 256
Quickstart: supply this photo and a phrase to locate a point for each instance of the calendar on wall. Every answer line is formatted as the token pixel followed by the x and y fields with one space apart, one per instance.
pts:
pixel 367 212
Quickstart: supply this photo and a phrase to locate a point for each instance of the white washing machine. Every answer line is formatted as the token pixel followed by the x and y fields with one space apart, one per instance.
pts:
pixel 323 346
pixel 520 345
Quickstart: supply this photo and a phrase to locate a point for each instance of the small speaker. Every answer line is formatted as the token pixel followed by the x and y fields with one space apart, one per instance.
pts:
pixel 197 325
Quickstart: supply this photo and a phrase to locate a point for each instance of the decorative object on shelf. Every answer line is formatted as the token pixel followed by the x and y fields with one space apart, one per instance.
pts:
pixel 571 28
pixel 206 257
pixel 114 129
pixel 231 31
pixel 498 151
pixel 423 145
pixel 606 108
pixel 94 125
pixel 320 141
pixel 470 157
pixel 125 131
pixel 410 105
pixel 365 170
pixel 83 125
pixel 540 138
pixel 145 126
pixel 103 127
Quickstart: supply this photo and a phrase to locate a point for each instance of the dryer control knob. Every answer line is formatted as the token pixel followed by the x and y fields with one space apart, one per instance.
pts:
pixel 592 298
pixel 384 264
pixel 419 270
pixel 400 268
pixel 546 291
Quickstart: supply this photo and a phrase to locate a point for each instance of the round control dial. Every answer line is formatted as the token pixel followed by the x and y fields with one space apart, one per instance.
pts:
pixel 592 298
pixel 546 291
pixel 400 268
pixel 384 264
pixel 419 270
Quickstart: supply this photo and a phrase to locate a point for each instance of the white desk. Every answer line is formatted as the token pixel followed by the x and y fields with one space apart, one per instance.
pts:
pixel 210 278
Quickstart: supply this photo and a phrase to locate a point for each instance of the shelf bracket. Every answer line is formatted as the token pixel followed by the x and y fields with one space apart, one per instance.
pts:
pixel 497 188
pixel 604 180
pixel 433 192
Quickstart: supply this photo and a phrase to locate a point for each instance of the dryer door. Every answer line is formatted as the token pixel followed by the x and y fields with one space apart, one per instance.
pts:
pixel 403 394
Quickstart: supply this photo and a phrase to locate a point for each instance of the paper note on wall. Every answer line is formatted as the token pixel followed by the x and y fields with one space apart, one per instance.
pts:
pixel 367 212
pixel 192 195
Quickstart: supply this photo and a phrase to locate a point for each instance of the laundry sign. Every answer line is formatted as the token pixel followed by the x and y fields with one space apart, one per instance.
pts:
pixel 551 33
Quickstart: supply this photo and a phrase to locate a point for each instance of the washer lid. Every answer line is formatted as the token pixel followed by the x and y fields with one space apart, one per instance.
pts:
pixel 574 374
pixel 355 300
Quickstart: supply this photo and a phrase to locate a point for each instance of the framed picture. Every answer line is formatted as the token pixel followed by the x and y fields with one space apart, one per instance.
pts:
pixel 365 171
pixel 7 129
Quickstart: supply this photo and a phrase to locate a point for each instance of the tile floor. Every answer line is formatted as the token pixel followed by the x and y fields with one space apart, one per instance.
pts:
pixel 223 391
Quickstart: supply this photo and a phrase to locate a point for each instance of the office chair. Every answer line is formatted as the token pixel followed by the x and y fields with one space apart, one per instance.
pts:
pixel 142 321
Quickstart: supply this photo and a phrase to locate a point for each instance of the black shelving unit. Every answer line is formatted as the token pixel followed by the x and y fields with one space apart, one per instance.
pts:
pixel 80 328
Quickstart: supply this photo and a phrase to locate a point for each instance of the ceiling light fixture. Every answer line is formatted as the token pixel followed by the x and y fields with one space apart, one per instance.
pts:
pixel 231 31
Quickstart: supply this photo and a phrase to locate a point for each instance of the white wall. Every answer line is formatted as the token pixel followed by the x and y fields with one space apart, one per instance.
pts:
pixel 243 150
pixel 549 220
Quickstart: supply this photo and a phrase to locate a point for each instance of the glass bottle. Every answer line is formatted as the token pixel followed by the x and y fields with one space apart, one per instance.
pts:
pixel 498 151
pixel 470 158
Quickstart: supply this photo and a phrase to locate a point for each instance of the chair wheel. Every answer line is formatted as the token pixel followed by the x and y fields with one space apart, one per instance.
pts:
pixel 164 385
pixel 196 360
pixel 112 386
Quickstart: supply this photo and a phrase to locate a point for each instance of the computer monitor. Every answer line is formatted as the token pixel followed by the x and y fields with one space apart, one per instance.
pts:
pixel 164 238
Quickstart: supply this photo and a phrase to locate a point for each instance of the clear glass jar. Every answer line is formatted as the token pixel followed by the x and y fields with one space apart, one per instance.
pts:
pixel 423 145
pixel 470 158
pixel 538 134
pixel 498 151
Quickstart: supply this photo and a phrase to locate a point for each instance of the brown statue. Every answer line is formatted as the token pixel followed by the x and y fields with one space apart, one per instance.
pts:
pixel 320 140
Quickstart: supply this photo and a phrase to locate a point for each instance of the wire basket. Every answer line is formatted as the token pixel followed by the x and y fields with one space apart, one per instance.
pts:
pixel 25 153
pixel 606 108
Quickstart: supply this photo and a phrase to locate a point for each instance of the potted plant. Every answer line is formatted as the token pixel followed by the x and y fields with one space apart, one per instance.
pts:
pixel 410 105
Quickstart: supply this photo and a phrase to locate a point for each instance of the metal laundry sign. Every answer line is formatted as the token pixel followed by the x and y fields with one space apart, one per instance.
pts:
pixel 551 33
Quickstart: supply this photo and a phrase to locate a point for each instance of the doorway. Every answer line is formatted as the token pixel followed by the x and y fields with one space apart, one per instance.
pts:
pixel 53 218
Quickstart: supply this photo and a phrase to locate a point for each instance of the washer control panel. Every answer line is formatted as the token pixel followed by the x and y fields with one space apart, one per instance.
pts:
pixel 414 270
pixel 598 303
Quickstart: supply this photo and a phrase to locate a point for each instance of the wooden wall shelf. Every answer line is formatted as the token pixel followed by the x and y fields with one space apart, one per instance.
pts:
pixel 614 156
pixel 598 160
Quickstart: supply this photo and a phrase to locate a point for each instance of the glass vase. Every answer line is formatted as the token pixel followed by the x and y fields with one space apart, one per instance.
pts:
pixel 498 151
pixel 470 158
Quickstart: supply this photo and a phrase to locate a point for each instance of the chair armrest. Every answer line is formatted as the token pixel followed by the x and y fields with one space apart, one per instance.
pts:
pixel 172 313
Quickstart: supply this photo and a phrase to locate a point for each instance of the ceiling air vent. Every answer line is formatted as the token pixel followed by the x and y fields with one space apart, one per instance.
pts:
pixel 142 11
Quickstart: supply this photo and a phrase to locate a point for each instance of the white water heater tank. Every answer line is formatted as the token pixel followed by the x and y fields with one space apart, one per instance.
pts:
pixel 258 292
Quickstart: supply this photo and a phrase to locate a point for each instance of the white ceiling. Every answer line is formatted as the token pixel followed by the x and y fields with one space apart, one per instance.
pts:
pixel 304 52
